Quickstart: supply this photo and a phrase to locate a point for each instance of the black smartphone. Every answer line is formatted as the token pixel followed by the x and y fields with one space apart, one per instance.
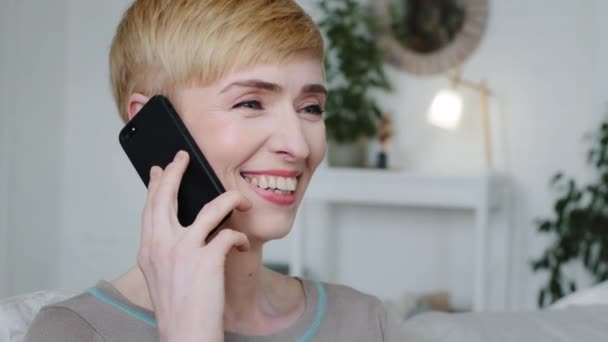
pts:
pixel 153 137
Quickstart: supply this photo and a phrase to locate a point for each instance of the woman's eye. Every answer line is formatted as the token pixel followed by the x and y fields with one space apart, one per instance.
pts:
pixel 313 109
pixel 256 105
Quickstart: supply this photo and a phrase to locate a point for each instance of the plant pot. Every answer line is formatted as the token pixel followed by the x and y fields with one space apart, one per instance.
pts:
pixel 353 154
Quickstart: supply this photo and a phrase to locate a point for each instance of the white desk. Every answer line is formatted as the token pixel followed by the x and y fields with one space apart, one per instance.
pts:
pixel 480 194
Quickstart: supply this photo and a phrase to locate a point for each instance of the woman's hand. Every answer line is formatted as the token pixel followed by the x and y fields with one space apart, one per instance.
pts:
pixel 185 276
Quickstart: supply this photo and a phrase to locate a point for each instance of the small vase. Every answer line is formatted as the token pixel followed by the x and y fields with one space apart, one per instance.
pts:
pixel 352 154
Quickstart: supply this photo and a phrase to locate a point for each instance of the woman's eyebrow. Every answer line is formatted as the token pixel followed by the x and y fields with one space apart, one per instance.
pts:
pixel 314 89
pixel 273 87
pixel 259 84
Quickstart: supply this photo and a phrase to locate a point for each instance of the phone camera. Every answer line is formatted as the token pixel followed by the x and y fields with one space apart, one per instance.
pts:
pixel 128 133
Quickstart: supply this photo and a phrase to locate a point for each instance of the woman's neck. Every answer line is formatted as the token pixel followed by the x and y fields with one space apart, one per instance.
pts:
pixel 258 300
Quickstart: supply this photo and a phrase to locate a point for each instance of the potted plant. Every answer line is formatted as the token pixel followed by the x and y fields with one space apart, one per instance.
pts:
pixel 579 226
pixel 354 67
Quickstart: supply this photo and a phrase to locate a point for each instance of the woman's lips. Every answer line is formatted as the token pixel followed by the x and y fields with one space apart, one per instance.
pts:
pixel 266 191
pixel 273 197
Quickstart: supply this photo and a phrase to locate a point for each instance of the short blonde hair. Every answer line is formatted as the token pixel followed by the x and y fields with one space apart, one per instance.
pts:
pixel 161 44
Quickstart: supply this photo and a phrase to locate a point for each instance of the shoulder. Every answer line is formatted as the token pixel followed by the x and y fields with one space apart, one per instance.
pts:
pixel 344 297
pixel 359 313
pixel 345 301
pixel 87 318
pixel 62 322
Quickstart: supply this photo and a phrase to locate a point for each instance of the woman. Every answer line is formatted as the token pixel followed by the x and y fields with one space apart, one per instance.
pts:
pixel 247 79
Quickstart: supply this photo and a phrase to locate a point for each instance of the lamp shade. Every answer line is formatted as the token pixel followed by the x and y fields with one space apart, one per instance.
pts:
pixel 446 110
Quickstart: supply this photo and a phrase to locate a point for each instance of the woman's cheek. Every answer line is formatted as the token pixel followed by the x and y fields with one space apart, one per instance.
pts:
pixel 236 142
pixel 317 142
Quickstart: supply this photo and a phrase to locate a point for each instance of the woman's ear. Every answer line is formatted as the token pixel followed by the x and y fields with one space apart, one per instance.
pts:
pixel 136 101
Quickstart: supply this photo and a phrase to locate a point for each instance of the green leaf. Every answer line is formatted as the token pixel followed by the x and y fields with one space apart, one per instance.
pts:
pixel 561 204
pixel 545 226
pixel 587 257
pixel 541 263
pixel 556 178
pixel 541 298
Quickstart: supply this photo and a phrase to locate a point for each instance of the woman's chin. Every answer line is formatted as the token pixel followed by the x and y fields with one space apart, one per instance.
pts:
pixel 262 230
pixel 267 233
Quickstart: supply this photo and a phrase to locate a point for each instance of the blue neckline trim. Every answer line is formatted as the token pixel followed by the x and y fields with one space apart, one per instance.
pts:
pixel 308 335
pixel 136 313
pixel 152 322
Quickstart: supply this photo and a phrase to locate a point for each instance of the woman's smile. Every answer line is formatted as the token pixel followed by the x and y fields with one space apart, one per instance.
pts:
pixel 276 186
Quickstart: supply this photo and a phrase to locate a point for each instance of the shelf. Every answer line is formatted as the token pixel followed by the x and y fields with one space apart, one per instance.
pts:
pixel 386 187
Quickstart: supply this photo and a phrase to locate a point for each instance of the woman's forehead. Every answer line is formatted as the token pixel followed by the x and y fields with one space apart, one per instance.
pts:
pixel 294 73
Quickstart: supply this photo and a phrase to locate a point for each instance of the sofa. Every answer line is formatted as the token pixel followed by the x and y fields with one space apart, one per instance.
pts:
pixel 16 313
pixel 580 317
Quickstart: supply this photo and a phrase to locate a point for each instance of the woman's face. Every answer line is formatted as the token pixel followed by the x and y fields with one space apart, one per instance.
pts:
pixel 262 131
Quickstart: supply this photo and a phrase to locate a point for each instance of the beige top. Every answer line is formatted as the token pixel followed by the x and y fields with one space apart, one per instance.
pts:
pixel 333 313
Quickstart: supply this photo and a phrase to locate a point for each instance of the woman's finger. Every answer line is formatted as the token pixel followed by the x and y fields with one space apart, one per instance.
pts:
pixel 155 173
pixel 212 214
pixel 165 198
pixel 228 239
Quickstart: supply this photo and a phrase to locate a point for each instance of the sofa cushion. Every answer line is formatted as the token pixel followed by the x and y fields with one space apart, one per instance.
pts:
pixel 16 313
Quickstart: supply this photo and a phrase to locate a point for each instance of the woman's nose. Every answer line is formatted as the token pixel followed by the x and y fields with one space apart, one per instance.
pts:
pixel 289 138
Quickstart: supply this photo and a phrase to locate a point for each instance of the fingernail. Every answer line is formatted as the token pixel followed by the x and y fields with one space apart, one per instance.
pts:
pixel 153 171
pixel 179 155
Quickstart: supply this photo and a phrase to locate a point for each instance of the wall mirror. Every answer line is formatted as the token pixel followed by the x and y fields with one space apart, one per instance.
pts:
pixel 430 36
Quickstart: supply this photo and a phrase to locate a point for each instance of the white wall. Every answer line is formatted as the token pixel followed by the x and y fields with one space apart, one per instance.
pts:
pixel 73 211
pixel 5 147
pixel 102 201
pixel 34 61
pixel 600 56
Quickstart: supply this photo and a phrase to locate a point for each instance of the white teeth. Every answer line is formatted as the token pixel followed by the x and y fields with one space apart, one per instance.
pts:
pixel 263 182
pixel 272 182
pixel 291 184
pixel 283 184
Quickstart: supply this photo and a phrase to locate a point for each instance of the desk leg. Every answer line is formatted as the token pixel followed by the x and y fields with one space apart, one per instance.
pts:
pixel 481 253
